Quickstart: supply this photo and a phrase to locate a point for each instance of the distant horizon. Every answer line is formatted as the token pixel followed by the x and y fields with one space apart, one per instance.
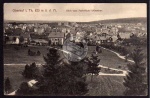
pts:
pixel 73 21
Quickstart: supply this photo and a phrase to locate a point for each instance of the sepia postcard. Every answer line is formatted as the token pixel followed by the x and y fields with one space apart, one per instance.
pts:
pixel 75 49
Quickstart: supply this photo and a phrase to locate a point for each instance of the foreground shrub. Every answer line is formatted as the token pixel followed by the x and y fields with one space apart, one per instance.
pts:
pixel 31 72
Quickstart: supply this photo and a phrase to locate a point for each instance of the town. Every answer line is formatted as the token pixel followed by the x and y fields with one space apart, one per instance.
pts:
pixel 56 32
pixel 109 48
pixel 75 49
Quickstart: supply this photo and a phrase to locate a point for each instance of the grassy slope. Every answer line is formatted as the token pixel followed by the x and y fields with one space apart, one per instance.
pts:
pixel 110 59
pixel 12 56
pixel 105 86
pixel 14 74
pixel 101 85
pixel 21 56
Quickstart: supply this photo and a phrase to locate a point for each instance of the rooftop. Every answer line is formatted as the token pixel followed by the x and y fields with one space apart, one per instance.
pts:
pixel 56 34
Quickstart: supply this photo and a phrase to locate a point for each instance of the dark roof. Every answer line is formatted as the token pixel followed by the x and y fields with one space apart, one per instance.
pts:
pixel 123 30
pixel 36 36
pixel 61 26
pixel 56 34
pixel 25 35
pixel 41 40
pixel 73 32
pixel 12 34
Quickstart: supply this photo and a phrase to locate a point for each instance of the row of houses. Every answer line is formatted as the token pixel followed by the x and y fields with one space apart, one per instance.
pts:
pixel 55 38
pixel 59 34
pixel 11 38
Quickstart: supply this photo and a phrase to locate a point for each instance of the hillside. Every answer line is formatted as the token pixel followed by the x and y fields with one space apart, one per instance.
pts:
pixel 32 21
pixel 121 20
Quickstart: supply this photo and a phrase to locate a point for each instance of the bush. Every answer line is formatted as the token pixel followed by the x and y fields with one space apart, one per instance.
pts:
pixel 38 53
pixel 31 53
pixel 119 67
pixel 31 71
pixel 24 89
pixel 16 48
pixel 7 85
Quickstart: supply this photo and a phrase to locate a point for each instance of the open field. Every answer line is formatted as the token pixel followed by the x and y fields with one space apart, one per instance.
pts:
pixel 21 56
pixel 105 86
pixel 12 56
pixel 14 74
pixel 110 59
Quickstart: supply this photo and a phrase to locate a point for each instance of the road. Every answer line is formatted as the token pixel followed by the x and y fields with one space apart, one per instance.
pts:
pixel 122 57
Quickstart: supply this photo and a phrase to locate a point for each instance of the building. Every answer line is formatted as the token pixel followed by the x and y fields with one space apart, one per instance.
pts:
pixel 104 39
pixel 12 38
pixel 26 37
pixel 56 38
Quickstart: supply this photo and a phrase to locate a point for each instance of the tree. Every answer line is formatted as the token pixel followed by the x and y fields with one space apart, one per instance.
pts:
pixel 119 38
pixel 76 77
pixel 38 53
pixel 48 83
pixel 135 81
pixel 49 42
pixel 25 89
pixel 98 49
pixel 29 51
pixel 51 62
pixel 21 39
pixel 61 77
pixel 7 85
pixel 93 63
pixel 31 72
pixel 14 39
pixel 6 39
pixel 26 71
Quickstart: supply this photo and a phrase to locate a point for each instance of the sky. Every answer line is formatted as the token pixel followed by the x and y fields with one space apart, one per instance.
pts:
pixel 75 12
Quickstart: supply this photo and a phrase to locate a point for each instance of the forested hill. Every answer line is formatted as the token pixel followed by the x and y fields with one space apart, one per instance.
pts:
pixel 121 20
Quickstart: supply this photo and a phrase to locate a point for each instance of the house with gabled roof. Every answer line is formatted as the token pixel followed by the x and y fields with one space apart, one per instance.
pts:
pixel 56 38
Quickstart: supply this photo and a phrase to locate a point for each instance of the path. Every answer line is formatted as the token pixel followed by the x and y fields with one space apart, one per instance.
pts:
pixel 122 57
